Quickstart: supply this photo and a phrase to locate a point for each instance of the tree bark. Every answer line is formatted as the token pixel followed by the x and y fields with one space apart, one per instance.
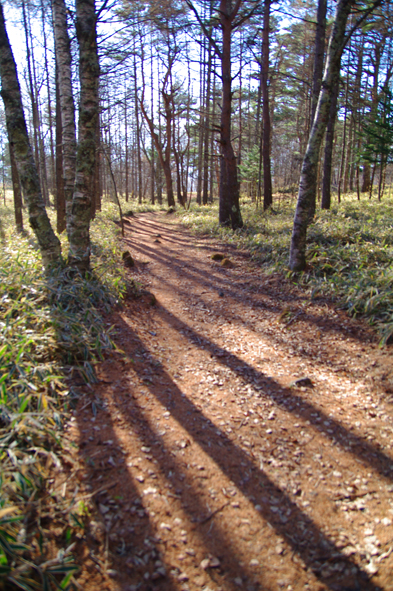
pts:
pixel 17 136
pixel 212 150
pixel 344 142
pixel 229 206
pixel 18 205
pixel 266 132
pixel 138 131
pixel 49 106
pixel 319 55
pixel 205 187
pixel 126 159
pixel 307 186
pixel 96 192
pixel 63 60
pixel 202 78
pixel 59 195
pixel 152 161
pixel 34 110
pixel 328 154
pixel 79 222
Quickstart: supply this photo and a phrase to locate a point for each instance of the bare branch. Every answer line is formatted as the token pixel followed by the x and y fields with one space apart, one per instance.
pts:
pixel 360 20
pixel 204 29
pixel 247 16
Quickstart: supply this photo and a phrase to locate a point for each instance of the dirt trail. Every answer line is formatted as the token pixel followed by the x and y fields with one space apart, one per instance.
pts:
pixel 215 470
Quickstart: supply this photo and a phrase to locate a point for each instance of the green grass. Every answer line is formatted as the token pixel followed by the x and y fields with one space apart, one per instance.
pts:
pixel 146 206
pixel 51 327
pixel 349 254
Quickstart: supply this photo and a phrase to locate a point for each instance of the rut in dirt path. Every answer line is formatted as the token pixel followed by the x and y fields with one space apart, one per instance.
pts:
pixel 219 470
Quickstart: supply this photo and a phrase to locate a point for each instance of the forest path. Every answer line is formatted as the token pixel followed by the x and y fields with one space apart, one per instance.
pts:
pixel 215 471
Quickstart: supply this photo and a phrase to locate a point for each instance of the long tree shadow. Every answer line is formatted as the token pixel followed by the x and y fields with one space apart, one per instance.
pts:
pixel 80 329
pixel 172 235
pixel 263 300
pixel 212 537
pixel 220 280
pixel 287 399
pixel 297 528
pixel 120 537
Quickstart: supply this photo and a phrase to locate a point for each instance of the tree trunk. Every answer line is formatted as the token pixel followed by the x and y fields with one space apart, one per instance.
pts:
pixel 307 187
pixel 328 155
pixel 49 106
pixel 319 55
pixel 206 129
pixel 164 156
pixel 60 203
pixel 267 176
pixel 357 111
pixel 202 77
pixel 79 223
pixel 229 206
pixel 34 95
pixel 212 150
pixel 18 205
pixel 366 178
pixel 96 192
pixel 33 101
pixel 164 151
pixel 240 103
pixel 348 158
pixel 372 182
pixel 126 146
pixel 166 163
pixel 344 143
pixel 63 60
pixel 152 161
pixel 17 136
pixel 138 131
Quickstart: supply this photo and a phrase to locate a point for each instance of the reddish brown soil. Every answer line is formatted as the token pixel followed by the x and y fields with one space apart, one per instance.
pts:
pixel 205 467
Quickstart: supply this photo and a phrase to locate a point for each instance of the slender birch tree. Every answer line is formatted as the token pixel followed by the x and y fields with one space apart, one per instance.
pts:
pixel 80 215
pixel 68 134
pixel 18 138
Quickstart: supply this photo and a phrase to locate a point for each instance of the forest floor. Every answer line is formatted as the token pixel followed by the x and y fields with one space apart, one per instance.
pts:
pixel 241 436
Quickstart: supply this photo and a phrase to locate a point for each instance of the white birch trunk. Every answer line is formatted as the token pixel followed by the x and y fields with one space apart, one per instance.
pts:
pixel 63 60
pixel 80 215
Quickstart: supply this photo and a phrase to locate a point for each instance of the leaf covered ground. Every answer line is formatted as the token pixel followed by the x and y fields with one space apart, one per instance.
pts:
pixel 240 435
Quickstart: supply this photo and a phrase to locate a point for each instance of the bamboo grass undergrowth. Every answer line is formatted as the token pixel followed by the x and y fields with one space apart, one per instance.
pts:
pixel 51 327
pixel 349 252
